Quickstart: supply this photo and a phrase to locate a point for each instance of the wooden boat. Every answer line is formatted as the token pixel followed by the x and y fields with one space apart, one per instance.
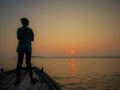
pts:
pixel 7 80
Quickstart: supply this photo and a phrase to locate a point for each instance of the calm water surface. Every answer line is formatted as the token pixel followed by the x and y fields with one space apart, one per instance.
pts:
pixel 78 73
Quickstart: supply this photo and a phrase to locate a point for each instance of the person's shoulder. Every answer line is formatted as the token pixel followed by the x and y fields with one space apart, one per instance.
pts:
pixel 29 28
pixel 20 28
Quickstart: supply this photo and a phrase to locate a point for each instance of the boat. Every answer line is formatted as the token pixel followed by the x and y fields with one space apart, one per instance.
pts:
pixel 44 81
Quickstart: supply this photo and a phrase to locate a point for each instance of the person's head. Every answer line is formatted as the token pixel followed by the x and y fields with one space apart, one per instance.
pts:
pixel 24 21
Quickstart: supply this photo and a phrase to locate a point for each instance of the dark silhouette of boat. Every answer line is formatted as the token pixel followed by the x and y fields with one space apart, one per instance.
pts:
pixel 44 82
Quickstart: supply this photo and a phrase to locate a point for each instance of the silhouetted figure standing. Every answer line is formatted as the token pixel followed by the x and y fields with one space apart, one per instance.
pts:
pixel 25 35
pixel 2 70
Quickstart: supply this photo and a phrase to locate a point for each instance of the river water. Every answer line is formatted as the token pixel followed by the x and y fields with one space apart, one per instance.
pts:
pixel 77 73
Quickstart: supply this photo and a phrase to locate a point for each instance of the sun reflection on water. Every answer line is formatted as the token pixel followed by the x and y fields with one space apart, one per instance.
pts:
pixel 73 71
pixel 73 68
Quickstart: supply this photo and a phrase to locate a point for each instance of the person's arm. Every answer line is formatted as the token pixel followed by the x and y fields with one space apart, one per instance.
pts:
pixel 18 34
pixel 32 38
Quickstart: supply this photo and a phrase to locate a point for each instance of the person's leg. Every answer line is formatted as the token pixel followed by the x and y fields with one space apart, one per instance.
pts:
pixel 19 64
pixel 28 63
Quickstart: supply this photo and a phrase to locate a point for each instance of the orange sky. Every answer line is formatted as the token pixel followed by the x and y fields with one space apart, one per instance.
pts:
pixel 86 27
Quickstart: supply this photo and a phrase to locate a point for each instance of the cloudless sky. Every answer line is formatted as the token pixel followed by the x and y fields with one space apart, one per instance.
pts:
pixel 83 27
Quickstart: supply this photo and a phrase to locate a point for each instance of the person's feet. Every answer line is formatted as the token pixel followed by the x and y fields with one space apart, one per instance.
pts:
pixel 17 82
pixel 33 81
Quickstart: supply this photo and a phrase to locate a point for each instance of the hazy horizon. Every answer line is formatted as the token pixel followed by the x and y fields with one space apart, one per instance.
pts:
pixel 63 28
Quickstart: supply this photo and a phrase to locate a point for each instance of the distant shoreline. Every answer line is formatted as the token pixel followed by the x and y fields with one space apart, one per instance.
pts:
pixel 76 56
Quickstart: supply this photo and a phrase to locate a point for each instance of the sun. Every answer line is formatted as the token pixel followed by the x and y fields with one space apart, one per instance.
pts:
pixel 72 52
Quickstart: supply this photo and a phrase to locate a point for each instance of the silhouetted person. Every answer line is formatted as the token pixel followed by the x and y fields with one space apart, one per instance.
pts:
pixel 2 70
pixel 24 35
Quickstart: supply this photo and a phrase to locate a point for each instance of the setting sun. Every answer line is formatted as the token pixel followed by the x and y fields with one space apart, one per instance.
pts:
pixel 72 52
